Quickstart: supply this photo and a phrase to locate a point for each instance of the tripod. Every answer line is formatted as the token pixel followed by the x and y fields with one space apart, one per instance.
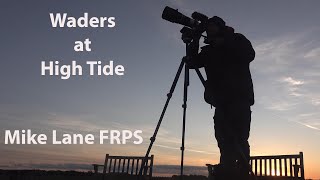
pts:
pixel 184 64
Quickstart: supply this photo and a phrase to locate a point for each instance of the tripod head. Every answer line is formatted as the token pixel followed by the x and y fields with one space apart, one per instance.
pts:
pixel 188 34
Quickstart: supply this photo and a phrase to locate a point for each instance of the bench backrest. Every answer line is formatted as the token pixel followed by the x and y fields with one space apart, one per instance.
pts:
pixel 125 165
pixel 280 165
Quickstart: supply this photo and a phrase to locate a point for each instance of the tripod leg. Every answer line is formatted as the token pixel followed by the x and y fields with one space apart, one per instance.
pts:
pixel 184 106
pixel 200 76
pixel 153 138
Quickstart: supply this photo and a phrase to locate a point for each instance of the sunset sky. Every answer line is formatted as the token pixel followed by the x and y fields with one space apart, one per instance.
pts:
pixel 285 72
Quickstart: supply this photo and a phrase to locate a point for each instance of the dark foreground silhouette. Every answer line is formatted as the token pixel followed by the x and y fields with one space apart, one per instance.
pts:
pixel 76 175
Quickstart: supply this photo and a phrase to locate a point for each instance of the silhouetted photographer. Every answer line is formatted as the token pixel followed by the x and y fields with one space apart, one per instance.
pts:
pixel 229 89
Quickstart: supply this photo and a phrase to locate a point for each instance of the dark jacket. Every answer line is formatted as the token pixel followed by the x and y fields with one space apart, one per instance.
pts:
pixel 227 68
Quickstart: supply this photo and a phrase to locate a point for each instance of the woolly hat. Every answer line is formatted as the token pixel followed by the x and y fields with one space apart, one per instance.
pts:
pixel 218 21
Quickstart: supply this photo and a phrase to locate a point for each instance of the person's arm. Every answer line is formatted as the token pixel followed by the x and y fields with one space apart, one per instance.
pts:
pixel 240 48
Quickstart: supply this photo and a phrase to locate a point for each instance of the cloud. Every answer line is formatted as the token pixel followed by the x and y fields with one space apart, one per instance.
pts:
pixel 286 77
pixel 293 86
pixel 292 81
pixel 72 123
pixel 307 114
pixel 289 53
pixel 188 149
pixel 315 100
pixel 285 74
pixel 281 106
pixel 310 125
pixel 313 54
pixel 310 120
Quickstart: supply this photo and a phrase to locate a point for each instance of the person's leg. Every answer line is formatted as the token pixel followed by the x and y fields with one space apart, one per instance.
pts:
pixel 227 167
pixel 223 137
pixel 243 131
pixel 241 123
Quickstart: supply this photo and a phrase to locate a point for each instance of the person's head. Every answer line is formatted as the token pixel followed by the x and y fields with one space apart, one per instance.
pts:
pixel 215 26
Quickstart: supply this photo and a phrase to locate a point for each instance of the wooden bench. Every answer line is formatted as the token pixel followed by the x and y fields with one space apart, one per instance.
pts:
pixel 129 165
pixel 286 166
pixel 273 167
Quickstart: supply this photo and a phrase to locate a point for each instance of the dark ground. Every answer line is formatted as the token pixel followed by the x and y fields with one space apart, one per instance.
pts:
pixel 76 175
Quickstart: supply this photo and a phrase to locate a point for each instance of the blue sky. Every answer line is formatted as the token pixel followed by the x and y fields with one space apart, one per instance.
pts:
pixel 285 120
